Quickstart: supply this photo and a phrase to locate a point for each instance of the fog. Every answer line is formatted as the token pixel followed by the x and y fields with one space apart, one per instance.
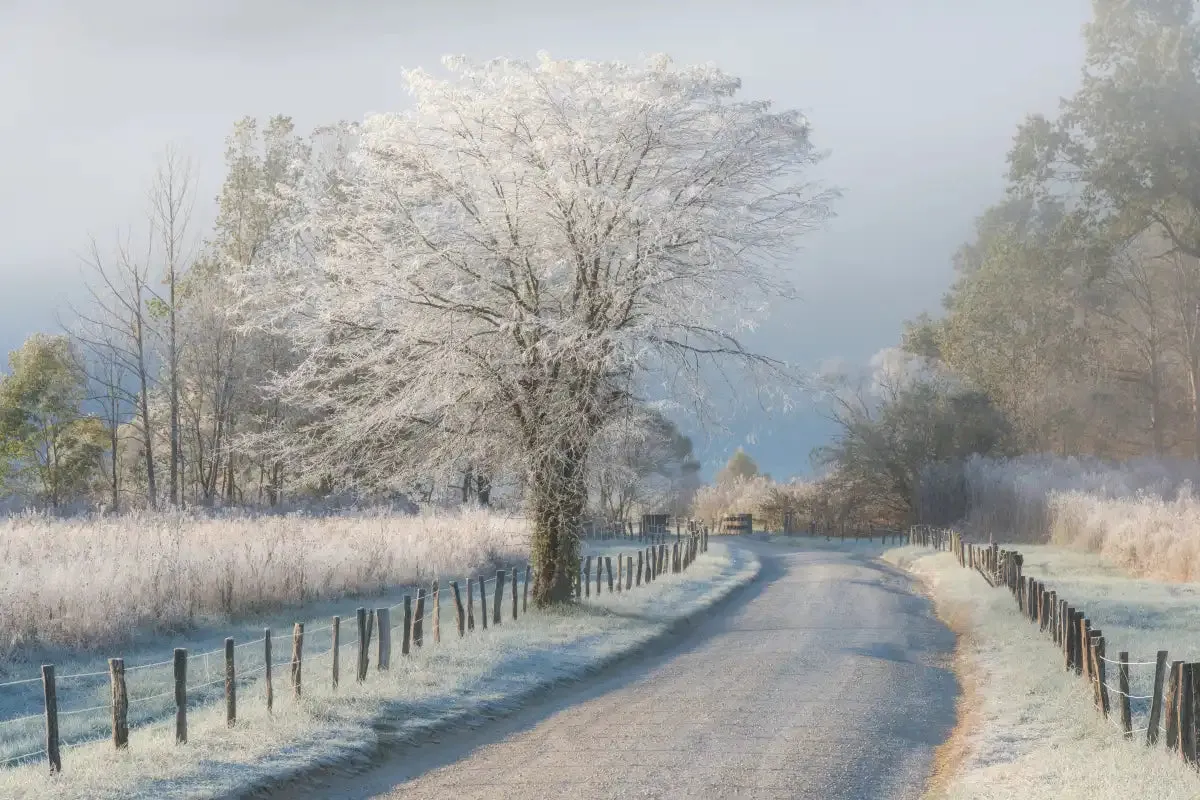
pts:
pixel 916 102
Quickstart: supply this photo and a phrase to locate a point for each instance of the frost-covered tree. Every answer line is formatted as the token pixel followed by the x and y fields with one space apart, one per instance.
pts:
pixel 495 272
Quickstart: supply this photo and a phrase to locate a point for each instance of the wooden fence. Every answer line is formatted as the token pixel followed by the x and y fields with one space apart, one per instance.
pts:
pixel 633 570
pixel 1175 698
pixel 652 528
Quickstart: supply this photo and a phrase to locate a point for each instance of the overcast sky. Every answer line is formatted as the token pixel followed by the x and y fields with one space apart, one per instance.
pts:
pixel 917 100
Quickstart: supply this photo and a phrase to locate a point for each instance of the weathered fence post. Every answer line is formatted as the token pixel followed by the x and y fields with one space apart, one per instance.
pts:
pixel 50 696
pixel 120 703
pixel 360 616
pixel 525 588
pixel 1187 718
pixel 498 600
pixel 180 673
pixel 1160 669
pixel 599 572
pixel 406 636
pixel 639 568
pixel 230 684
pixel 1171 712
pixel 470 605
pixel 514 593
pixel 587 576
pixel 482 603
pixel 336 647
pixel 608 569
pixel 1101 672
pixel 383 659
pixel 269 686
pixel 436 598
pixel 458 609
pixel 297 658
pixel 1191 700
pixel 620 570
pixel 418 620
pixel 1123 685
pixel 1187 714
pixel 629 573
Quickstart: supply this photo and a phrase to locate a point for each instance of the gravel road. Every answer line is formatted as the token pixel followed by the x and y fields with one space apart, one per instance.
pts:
pixel 825 678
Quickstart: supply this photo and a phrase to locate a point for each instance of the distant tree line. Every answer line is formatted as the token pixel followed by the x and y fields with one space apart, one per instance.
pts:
pixel 1073 323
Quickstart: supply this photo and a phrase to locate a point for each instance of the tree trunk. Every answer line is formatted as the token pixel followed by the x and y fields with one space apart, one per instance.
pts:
pixel 558 498
pixel 466 486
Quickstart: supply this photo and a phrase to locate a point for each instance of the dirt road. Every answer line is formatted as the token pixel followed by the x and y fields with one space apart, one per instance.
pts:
pixel 826 678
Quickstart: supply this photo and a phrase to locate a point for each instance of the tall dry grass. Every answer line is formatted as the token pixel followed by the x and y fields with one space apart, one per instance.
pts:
pixel 96 581
pixel 1140 515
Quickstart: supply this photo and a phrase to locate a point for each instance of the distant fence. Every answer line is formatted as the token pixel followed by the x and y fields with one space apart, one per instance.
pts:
pixel 655 528
pixel 367 623
pixel 1171 707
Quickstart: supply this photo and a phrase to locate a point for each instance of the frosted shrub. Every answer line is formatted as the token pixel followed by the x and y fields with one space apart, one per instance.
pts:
pixel 92 582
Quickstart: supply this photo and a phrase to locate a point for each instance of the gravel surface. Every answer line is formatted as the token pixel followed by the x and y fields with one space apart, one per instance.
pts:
pixel 825 678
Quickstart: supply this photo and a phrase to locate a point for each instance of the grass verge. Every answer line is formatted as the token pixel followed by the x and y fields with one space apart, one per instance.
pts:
pixel 1037 733
pixel 460 681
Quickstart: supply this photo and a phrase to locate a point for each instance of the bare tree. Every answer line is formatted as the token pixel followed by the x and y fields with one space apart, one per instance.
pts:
pixel 119 324
pixel 172 198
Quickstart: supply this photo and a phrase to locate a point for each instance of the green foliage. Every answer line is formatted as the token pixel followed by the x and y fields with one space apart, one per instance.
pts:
pixel 1127 139
pixel 740 467
pixel 50 446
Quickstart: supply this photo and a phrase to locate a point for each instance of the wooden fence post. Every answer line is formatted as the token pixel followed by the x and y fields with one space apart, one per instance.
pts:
pixel 1101 672
pixel 270 688
pixel 599 573
pixel 383 659
pixel 1171 712
pixel 498 598
pixel 418 621
pixel 371 624
pixel 639 568
pixel 1160 669
pixel 1123 685
pixel 50 695
pixel 180 673
pixel 482 603
pixel 513 592
pixel 1065 634
pixel 470 605
pixel 436 599
pixel 120 703
pixel 1083 629
pixel 230 684
pixel 360 616
pixel 458 609
pixel 525 588
pixel 336 648
pixel 620 570
pixel 406 636
pixel 1192 702
pixel 587 576
pixel 297 658
pixel 629 573
pixel 1187 717
pixel 608 568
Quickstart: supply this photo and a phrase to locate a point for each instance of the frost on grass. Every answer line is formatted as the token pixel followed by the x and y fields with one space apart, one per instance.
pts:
pixel 1142 515
pixel 455 682
pixel 98 582
pixel 1039 734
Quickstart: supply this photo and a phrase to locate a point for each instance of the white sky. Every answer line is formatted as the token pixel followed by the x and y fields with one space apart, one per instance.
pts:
pixel 916 99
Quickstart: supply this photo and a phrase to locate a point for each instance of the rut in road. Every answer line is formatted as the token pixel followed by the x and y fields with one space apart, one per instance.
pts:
pixel 825 678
